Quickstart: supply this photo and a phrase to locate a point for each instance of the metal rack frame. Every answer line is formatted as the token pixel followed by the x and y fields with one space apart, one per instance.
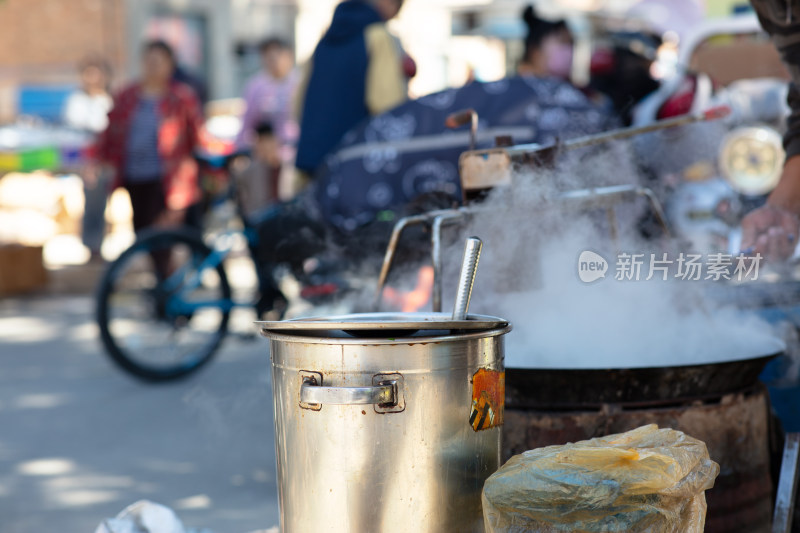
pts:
pixel 606 198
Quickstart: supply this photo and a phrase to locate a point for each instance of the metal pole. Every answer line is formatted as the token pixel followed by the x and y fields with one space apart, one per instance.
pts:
pixel 611 216
pixel 388 258
pixel 787 485
pixel 523 151
pixel 436 261
pixel 436 254
pixel 624 133
pixel 391 248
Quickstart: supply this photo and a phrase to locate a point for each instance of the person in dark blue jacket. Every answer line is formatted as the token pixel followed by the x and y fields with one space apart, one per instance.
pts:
pixel 356 71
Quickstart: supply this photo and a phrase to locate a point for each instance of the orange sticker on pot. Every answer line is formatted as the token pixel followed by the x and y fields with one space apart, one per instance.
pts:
pixel 488 399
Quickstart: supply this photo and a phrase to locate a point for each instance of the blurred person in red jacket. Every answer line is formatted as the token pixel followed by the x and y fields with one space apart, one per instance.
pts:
pixel 150 140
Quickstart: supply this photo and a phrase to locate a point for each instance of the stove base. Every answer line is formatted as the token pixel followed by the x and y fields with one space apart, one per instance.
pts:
pixel 735 429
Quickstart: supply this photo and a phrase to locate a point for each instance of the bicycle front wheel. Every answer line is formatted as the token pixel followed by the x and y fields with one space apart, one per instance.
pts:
pixel 163 306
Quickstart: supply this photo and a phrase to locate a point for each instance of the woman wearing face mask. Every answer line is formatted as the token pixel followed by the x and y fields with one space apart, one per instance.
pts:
pixel 548 48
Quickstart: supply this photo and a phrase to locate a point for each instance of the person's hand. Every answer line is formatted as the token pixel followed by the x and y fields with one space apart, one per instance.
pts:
pixel 91 174
pixel 92 171
pixel 239 164
pixel 771 231
pixel 170 218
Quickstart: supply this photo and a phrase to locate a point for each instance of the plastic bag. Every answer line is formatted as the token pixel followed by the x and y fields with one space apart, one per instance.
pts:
pixel 648 480
pixel 143 517
pixel 147 517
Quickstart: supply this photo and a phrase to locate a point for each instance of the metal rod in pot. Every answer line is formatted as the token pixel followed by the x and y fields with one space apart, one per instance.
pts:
pixel 522 151
pixel 469 266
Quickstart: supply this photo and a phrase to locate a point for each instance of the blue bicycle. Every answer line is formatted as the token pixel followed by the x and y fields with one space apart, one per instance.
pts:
pixel 164 304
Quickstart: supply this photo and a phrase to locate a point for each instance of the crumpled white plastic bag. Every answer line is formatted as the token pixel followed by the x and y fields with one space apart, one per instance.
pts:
pixel 143 517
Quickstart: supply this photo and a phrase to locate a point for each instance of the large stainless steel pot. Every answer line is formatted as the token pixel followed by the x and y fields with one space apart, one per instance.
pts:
pixel 393 430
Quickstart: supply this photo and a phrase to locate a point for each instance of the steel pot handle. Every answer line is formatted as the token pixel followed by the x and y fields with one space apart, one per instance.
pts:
pixel 382 394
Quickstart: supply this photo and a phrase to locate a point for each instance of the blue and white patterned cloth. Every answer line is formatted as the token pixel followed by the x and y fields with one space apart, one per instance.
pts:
pixel 391 159
pixel 142 162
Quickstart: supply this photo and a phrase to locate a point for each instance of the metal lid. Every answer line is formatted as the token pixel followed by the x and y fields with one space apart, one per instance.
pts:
pixel 383 324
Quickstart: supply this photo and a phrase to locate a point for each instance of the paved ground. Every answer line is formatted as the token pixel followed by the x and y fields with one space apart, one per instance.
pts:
pixel 79 440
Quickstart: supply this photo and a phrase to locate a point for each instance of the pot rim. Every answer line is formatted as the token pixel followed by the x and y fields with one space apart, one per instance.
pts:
pixel 386 321
pixel 304 338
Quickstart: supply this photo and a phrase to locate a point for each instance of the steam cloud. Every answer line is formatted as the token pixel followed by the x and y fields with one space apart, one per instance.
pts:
pixel 528 275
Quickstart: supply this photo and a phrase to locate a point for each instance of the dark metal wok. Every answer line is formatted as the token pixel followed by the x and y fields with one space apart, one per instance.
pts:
pixel 558 389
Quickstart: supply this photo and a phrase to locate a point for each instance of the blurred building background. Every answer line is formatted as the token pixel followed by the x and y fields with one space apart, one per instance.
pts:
pixel 42 40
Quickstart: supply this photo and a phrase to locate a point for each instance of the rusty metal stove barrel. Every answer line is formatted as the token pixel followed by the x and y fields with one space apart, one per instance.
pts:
pixel 721 404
